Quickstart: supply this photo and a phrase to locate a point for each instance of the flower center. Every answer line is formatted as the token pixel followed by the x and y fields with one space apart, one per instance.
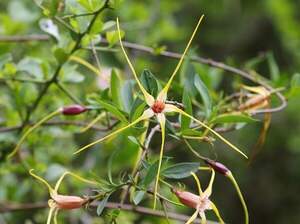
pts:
pixel 158 107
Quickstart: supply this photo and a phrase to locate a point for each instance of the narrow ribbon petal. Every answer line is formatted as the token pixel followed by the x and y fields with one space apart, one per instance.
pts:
pixel 193 217
pixel 210 129
pixel 216 211
pixel 208 190
pixel 73 175
pixel 198 183
pixel 147 114
pixel 51 190
pixel 163 94
pixel 203 217
pixel 48 117
pixel 162 121
pixel 148 98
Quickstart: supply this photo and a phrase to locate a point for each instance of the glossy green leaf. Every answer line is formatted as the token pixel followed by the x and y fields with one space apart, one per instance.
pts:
pixel 204 93
pixel 115 88
pixel 233 118
pixel 180 170
pixel 138 197
pixel 102 205
pixel 150 175
pixel 112 109
pixel 149 82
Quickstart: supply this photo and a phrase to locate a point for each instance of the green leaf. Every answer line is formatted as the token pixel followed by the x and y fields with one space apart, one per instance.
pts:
pixel 138 197
pixel 60 55
pixel 137 109
pixel 191 132
pixel 186 100
pixel 5 58
pixel 115 87
pixel 180 170
pixel 113 37
pixel 112 109
pixel 149 82
pixel 204 93
pixel 150 175
pixel 133 140
pixel 127 95
pixel 49 27
pixel 102 205
pixel 233 118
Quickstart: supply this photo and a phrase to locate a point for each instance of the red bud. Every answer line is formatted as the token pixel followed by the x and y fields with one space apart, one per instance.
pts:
pixel 73 109
pixel 218 167
pixel 68 202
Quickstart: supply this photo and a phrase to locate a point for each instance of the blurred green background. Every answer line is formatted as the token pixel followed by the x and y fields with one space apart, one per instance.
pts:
pixel 234 31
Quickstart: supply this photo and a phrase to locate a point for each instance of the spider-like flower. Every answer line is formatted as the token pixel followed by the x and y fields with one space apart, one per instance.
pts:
pixel 159 107
pixel 62 202
pixel 200 202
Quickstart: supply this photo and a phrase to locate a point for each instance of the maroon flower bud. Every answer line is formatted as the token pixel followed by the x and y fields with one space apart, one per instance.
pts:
pixel 218 167
pixel 73 109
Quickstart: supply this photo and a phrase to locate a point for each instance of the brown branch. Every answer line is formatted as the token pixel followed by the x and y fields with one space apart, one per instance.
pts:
pixel 8 207
pixel 169 54
pixel 54 123
pixel 24 38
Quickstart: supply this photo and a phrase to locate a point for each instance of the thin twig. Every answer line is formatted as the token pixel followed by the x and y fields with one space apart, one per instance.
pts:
pixel 55 123
pixel 169 54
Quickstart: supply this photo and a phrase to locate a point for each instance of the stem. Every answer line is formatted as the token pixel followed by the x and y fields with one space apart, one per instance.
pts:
pixel 233 181
pixel 68 93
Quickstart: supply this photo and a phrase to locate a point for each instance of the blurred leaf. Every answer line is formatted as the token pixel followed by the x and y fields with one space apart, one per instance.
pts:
pixel 138 197
pixel 127 95
pixel 32 66
pixel 202 89
pixel 134 140
pixel 233 118
pixel 60 55
pixel 185 121
pixel 113 37
pixel 150 175
pixel 180 170
pixel 115 87
pixel 49 27
pixel 112 109
pixel 5 58
pixel 273 67
pixel 102 205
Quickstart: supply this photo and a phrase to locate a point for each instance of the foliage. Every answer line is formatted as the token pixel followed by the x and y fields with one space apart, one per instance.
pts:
pixel 76 59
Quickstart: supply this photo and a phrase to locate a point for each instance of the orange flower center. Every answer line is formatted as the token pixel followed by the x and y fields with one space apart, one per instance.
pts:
pixel 158 107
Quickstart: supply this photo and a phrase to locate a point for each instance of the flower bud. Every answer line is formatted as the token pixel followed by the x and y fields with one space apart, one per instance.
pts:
pixel 189 199
pixel 73 109
pixel 68 202
pixel 218 167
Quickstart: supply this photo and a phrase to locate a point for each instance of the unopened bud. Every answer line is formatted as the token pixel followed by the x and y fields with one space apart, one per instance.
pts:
pixel 218 167
pixel 73 109
pixel 68 202
pixel 187 198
